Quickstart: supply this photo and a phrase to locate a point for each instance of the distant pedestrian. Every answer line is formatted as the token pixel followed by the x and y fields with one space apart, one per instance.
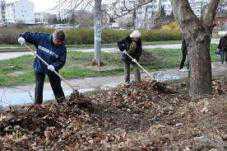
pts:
pixel 222 48
pixel 133 46
pixel 51 48
pixel 184 58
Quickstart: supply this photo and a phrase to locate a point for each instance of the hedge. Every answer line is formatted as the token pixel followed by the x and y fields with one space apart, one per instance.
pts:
pixel 86 36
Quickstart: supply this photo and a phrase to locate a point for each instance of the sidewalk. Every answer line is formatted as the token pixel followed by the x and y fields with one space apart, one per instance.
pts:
pixel 25 94
pixel 11 55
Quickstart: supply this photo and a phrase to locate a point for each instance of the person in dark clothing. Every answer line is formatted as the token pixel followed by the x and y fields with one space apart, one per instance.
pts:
pixel 51 48
pixel 133 46
pixel 184 54
pixel 222 48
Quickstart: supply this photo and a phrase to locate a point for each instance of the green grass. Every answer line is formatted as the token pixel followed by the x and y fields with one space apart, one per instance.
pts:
pixel 19 71
pixel 170 58
pixel 9 45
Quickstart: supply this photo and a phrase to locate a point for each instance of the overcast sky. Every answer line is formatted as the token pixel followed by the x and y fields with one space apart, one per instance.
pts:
pixel 43 5
pixel 46 5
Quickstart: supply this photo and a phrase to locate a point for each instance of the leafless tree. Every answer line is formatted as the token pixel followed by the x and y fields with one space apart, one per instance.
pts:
pixel 96 6
pixel 97 31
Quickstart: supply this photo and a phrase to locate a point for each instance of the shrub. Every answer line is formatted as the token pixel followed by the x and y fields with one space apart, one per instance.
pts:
pixel 86 36
pixel 171 26
pixel 83 36
pixel 160 35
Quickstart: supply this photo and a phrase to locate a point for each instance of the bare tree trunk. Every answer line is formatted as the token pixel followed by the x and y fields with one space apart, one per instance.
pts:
pixel 200 65
pixel 98 31
pixel 197 33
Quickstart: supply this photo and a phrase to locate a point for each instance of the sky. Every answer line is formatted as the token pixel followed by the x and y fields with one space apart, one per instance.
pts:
pixel 43 5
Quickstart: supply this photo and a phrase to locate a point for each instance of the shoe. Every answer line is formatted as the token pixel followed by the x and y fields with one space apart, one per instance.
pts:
pixel 183 70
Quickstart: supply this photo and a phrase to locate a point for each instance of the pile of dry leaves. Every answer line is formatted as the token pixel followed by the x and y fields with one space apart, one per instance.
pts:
pixel 141 116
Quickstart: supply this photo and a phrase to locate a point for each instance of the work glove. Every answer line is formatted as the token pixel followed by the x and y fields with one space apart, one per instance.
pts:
pixel 134 60
pixel 51 68
pixel 21 41
pixel 125 52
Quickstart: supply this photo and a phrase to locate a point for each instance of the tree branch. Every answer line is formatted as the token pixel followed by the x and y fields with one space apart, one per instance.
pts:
pixel 183 11
pixel 210 12
pixel 142 3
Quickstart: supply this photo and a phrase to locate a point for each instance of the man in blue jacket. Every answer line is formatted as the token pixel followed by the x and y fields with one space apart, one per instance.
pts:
pixel 50 47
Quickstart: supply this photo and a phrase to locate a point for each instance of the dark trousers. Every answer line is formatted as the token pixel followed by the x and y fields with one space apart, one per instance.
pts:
pixel 223 55
pixel 55 83
pixel 127 72
pixel 183 60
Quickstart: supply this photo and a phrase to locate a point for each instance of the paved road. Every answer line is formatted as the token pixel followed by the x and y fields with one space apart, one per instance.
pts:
pixel 10 55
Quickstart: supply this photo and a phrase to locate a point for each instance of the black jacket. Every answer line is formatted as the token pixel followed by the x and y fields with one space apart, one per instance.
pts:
pixel 125 44
pixel 223 43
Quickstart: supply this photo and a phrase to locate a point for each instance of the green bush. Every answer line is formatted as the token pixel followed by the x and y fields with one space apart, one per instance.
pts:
pixel 86 36
pixel 9 36
pixel 83 36
pixel 160 35
pixel 111 36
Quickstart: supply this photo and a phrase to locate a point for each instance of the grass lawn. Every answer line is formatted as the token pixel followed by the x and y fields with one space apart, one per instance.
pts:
pixel 9 45
pixel 19 71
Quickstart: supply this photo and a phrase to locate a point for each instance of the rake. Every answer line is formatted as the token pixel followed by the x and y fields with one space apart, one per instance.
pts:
pixel 139 65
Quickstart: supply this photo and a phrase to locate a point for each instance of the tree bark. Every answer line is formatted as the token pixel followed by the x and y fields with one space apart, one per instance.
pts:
pixel 197 34
pixel 200 64
pixel 98 31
